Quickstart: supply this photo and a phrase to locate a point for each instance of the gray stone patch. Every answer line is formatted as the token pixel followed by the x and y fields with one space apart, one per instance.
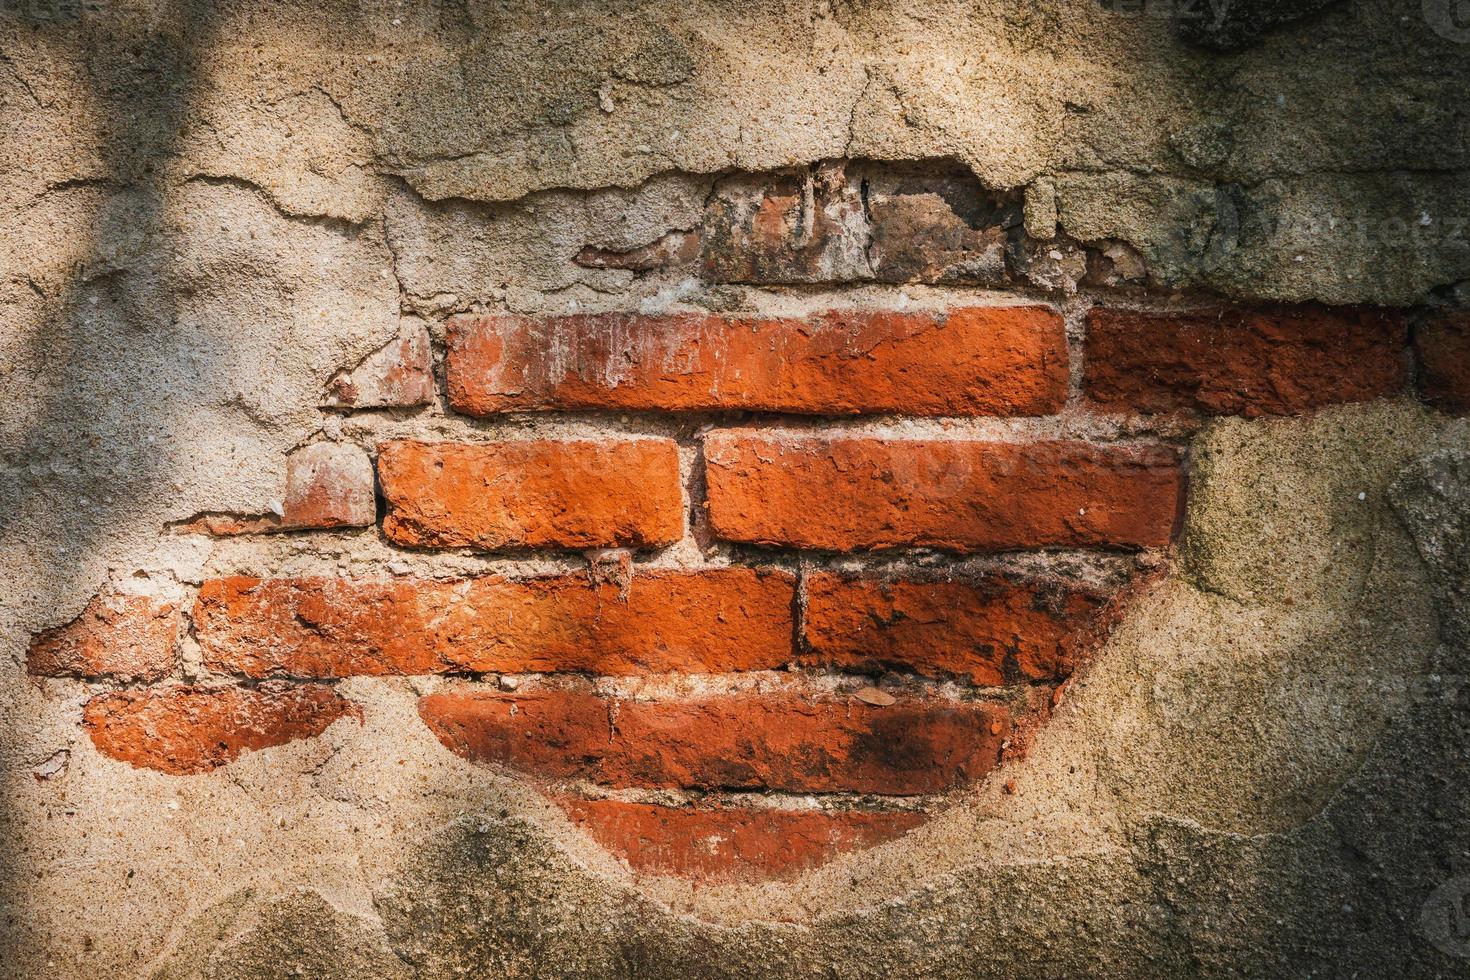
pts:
pixel 1432 497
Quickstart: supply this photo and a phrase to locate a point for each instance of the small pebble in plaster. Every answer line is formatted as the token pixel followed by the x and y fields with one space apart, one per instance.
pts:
pixel 54 766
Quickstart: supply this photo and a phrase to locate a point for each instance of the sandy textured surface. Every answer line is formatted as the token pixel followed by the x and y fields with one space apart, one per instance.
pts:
pixel 207 210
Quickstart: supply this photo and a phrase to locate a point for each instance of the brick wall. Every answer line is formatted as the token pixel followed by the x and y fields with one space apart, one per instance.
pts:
pixel 835 566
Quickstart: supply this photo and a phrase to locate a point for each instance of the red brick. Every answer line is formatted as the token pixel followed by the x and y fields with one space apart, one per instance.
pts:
pixel 397 375
pixel 1443 347
pixel 184 730
pixel 847 494
pixel 747 741
pixel 532 494
pixel 1281 361
pixel 122 637
pixel 724 844
pixel 992 633
pixel 979 361
pixel 711 621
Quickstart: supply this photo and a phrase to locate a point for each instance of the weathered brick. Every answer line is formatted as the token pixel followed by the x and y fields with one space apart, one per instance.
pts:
pixel 1443 348
pixel 789 227
pixel 724 844
pixel 714 621
pixel 532 494
pixel 977 361
pixel 1281 361
pixel 1056 266
pixel 183 730
pixel 226 525
pixel 847 494
pixel 675 248
pixel 122 637
pixel 328 485
pixel 748 741
pixel 893 222
pixel 998 631
pixel 938 225
pixel 399 374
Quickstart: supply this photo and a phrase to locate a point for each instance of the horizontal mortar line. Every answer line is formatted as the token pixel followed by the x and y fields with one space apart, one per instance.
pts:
pixel 799 301
pixel 1040 563
pixel 1077 421
pixel 444 565
pixel 642 688
pixel 755 554
pixel 851 296
pixel 755 800
pixel 654 687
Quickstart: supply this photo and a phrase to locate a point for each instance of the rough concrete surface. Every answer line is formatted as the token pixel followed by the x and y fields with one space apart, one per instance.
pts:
pixel 208 210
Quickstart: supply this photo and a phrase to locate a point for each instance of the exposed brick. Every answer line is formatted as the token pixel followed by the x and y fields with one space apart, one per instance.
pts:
pixel 672 249
pixel 328 485
pixel 979 361
pixel 1443 347
pixel 723 844
pixel 938 225
pixel 397 375
pixel 715 621
pixel 1282 361
pixel 791 227
pixel 1056 266
pixel 226 525
pixel 775 741
pixel 1111 265
pixel 532 494
pixel 904 222
pixel 999 631
pixel 854 493
pixel 183 730
pixel 123 637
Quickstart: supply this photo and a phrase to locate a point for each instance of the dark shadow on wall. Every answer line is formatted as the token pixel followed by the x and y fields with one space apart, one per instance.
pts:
pixel 1324 157
pixel 99 327
pixel 491 896
pixel 1345 894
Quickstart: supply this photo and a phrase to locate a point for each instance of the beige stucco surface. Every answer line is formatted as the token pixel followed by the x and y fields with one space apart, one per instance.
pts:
pixel 207 209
